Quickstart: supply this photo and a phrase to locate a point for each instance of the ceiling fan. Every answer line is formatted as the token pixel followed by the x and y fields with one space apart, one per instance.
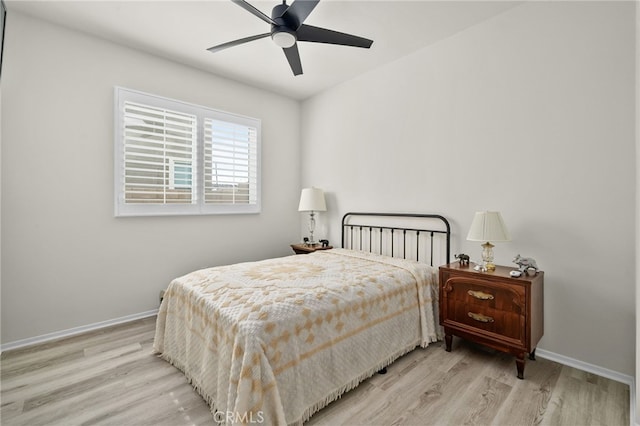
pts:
pixel 287 28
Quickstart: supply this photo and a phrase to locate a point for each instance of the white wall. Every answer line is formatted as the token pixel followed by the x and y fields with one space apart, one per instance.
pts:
pixel 66 261
pixel 637 298
pixel 530 113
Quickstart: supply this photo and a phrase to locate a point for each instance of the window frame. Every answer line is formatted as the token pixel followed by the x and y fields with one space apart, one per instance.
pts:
pixel 198 206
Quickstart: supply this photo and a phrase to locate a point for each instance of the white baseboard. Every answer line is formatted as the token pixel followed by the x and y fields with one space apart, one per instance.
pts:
pixel 600 371
pixel 76 330
pixel 585 366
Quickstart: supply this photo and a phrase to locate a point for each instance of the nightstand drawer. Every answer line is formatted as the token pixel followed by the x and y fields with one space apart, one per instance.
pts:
pixel 490 308
pixel 484 294
pixel 501 324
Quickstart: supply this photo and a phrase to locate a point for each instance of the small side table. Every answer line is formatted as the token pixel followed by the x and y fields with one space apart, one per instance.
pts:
pixel 493 309
pixel 308 248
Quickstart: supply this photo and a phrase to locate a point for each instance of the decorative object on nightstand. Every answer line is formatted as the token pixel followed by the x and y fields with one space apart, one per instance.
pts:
pixel 480 267
pixel 487 227
pixel 525 264
pixel 312 200
pixel 494 309
pixel 462 258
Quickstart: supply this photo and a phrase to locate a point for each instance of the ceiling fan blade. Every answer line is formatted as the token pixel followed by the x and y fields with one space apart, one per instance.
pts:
pixel 293 56
pixel 249 8
pixel 298 11
pixel 237 42
pixel 323 35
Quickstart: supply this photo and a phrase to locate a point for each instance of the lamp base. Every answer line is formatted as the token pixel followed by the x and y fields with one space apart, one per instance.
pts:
pixel 312 227
pixel 487 256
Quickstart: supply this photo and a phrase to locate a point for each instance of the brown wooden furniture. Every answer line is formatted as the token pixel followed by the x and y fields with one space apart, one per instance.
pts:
pixel 308 248
pixel 493 309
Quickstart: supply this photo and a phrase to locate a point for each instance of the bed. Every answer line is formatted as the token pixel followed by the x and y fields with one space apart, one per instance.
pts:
pixel 274 341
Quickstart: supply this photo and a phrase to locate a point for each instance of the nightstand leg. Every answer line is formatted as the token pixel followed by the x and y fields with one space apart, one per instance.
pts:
pixel 520 365
pixel 532 355
pixel 448 338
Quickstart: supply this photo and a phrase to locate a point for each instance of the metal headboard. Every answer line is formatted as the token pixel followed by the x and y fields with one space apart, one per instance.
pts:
pixel 361 232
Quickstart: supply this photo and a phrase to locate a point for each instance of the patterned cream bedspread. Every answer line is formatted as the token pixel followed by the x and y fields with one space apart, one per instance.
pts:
pixel 274 341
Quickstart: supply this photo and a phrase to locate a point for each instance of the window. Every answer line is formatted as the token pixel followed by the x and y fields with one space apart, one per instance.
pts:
pixel 181 174
pixel 175 158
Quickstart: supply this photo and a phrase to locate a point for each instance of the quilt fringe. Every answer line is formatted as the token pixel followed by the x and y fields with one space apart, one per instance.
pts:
pixel 337 393
pixel 196 386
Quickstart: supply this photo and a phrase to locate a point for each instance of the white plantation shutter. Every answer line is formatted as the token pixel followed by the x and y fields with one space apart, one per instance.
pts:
pixel 156 142
pixel 176 158
pixel 230 163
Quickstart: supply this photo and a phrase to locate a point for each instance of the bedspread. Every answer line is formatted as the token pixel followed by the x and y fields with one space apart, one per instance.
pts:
pixel 274 341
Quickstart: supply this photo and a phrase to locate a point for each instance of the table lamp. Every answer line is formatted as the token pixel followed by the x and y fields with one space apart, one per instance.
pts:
pixel 487 227
pixel 312 200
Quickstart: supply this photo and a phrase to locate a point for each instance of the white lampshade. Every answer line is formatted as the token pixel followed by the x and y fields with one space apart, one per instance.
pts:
pixel 489 227
pixel 312 199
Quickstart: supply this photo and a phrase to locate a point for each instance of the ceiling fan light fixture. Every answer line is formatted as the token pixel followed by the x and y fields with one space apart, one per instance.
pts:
pixel 287 28
pixel 283 39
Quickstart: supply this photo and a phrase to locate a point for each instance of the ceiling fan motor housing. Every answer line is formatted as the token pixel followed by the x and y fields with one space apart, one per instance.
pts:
pixel 283 34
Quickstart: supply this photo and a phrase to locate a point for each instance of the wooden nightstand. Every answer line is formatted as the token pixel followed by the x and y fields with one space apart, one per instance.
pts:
pixel 308 248
pixel 493 309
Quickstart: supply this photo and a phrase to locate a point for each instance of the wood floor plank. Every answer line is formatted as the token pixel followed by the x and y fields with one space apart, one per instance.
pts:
pixel 51 379
pixel 50 350
pixel 615 407
pixel 337 413
pixel 435 404
pixel 152 408
pixel 112 377
pixel 391 401
pixel 562 406
pixel 481 402
pixel 135 391
pixel 529 399
pixel 70 349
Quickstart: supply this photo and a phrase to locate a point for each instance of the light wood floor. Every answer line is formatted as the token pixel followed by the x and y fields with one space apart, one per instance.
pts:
pixel 111 377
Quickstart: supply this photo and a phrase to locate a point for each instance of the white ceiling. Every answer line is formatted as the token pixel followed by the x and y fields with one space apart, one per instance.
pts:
pixel 183 30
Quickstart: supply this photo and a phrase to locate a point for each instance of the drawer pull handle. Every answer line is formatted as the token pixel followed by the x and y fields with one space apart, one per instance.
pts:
pixel 480 295
pixel 480 317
